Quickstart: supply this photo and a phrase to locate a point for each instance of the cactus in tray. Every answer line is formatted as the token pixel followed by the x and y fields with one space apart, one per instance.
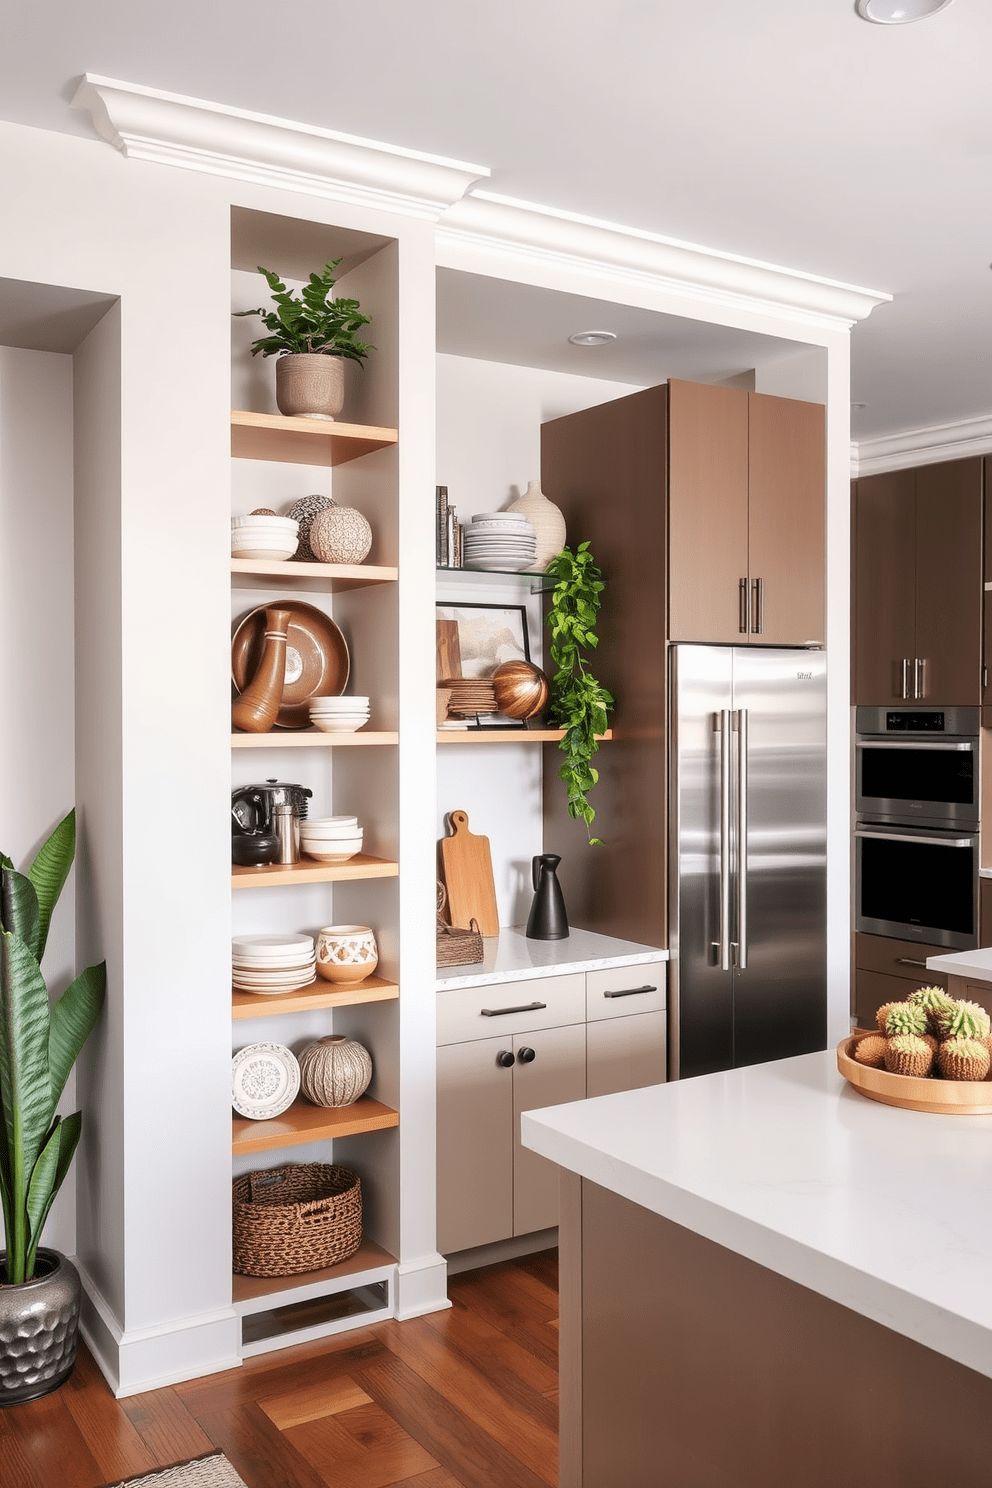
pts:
pixel 963 1059
pixel 905 1017
pixel 907 1054
pixel 934 1001
pixel 963 1020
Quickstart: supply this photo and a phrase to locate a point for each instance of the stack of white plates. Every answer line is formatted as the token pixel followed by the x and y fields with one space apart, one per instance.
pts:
pixel 264 537
pixel 499 540
pixel 267 964
pixel 339 715
pixel 331 839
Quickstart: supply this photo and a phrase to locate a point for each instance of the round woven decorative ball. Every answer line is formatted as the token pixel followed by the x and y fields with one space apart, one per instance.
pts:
pixel 335 1071
pixel 871 1051
pixel 521 689
pixel 963 1059
pixel 907 1054
pixel 262 511
pixel 340 534
pixel 304 510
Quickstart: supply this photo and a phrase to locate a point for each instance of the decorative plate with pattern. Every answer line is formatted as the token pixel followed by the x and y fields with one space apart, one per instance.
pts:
pixel 265 1080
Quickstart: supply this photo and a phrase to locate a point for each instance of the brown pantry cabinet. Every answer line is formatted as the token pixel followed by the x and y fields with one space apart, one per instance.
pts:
pixel 918 585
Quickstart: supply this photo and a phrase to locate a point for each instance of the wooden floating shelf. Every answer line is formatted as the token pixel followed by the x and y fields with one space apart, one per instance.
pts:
pixel 322 578
pixel 311 739
pixel 302 441
pixel 507 736
pixel 307 870
pixel 252 1289
pixel 318 994
pixel 306 1123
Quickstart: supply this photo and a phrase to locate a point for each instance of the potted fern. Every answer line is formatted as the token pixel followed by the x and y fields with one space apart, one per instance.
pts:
pixel 313 336
pixel 39 1288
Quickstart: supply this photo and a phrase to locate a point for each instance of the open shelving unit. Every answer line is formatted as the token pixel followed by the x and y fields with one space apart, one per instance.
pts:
pixel 317 578
pixel 306 1123
pixel 303 441
pixel 319 994
pixel 273 875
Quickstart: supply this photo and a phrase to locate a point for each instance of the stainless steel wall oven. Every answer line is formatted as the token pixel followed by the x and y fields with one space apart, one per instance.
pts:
pixel 916 839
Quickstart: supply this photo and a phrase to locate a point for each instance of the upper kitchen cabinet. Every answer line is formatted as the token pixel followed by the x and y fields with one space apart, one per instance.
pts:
pixel 746 492
pixel 918 585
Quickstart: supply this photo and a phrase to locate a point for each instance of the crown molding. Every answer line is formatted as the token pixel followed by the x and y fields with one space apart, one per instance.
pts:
pixel 483 222
pixel 147 124
pixel 924 446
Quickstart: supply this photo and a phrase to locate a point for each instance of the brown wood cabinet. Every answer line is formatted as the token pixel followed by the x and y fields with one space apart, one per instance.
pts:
pixel 887 970
pixel 746 499
pixel 918 585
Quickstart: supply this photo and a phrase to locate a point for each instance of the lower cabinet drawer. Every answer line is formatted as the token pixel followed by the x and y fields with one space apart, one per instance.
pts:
pixel 625 991
pixel 898 958
pixel 625 1053
pixel 509 1008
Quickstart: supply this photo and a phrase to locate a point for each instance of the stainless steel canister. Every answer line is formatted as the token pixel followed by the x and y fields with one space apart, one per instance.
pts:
pixel 286 825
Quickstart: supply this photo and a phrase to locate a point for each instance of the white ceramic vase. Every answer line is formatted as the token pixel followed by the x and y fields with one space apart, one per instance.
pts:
pixel 335 1071
pixel 547 522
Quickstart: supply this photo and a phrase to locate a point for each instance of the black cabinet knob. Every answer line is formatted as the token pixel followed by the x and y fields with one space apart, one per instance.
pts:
pixel 527 1056
pixel 504 1059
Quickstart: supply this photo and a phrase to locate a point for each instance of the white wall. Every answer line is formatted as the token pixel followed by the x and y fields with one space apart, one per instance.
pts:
pixel 37 756
pixel 489 418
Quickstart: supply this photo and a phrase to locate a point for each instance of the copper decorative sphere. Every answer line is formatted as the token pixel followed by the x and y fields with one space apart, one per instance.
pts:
pixel 521 689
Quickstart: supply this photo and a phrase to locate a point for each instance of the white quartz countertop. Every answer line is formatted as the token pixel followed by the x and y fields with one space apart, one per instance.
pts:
pixel 975 965
pixel 511 957
pixel 888 1212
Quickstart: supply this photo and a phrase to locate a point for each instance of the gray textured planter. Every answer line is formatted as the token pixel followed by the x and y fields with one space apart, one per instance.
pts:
pixel 39 1326
pixel 310 385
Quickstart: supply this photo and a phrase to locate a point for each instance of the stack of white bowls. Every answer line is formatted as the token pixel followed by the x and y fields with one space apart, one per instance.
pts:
pixel 269 964
pixel 262 536
pixel 499 540
pixel 339 715
pixel 331 839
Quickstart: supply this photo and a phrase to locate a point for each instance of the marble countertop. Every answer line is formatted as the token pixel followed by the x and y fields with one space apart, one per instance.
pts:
pixel 976 965
pixel 883 1210
pixel 511 957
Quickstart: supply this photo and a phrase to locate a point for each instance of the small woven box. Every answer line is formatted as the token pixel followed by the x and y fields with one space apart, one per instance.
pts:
pixel 298 1218
pixel 456 947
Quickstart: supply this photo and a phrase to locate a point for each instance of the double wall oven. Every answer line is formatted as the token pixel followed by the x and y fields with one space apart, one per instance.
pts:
pixel 916 837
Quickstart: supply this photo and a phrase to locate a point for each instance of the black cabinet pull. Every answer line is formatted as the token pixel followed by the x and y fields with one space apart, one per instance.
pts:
pixel 504 1059
pixel 527 1056
pixel 525 1007
pixel 630 991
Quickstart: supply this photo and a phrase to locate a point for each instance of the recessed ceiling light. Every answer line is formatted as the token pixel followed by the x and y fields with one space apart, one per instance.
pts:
pixel 592 338
pixel 899 12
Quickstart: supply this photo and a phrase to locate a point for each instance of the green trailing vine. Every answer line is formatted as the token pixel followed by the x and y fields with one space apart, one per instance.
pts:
pixel 579 704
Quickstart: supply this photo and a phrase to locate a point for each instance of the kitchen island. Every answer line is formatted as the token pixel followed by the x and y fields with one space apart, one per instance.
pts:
pixel 769 1279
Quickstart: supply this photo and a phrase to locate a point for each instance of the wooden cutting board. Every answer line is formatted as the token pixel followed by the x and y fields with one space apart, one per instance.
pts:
pixel 468 876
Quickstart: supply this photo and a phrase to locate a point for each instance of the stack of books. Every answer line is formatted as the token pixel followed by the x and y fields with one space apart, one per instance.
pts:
pixel 448 534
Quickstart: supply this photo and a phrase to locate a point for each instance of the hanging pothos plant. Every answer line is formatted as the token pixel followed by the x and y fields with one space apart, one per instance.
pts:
pixel 579 704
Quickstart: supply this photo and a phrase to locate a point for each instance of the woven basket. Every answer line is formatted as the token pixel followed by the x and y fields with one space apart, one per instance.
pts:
pixel 456 947
pixel 298 1218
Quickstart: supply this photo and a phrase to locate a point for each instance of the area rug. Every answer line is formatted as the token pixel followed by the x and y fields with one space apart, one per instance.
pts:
pixel 205 1472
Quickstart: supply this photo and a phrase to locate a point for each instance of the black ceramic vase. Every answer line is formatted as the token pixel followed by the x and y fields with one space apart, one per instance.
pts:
pixel 547 919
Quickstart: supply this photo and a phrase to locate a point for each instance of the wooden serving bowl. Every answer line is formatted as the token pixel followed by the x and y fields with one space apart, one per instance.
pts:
pixel 937 1097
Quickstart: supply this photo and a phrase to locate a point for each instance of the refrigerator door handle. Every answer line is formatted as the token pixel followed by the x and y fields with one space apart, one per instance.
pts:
pixel 741 723
pixel 724 727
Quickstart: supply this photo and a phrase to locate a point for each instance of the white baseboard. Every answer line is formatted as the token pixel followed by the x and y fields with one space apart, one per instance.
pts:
pixel 501 1250
pixel 421 1286
pixel 140 1359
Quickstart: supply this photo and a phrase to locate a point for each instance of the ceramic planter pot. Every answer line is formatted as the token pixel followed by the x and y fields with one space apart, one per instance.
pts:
pixel 39 1327
pixel 310 386
pixel 346 953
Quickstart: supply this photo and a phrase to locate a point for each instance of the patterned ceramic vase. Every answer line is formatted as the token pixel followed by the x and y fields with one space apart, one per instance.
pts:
pixel 309 385
pixel 346 953
pixel 335 1071
pixel 340 534
pixel 546 520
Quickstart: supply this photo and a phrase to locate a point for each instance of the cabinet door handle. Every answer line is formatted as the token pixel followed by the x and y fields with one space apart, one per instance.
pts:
pixel 527 1056
pixel 630 992
pixel 919 677
pixel 525 1007
pixel 905 678
pixel 742 606
pixel 758 606
pixel 504 1059
pixel 908 961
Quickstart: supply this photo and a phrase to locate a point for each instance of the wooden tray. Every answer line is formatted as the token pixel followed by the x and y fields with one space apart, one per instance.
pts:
pixel 938 1097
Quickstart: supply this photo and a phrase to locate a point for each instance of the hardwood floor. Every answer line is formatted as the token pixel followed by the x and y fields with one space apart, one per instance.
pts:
pixel 466 1398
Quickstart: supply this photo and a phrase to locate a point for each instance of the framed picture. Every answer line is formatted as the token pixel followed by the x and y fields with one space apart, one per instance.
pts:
pixel 473 640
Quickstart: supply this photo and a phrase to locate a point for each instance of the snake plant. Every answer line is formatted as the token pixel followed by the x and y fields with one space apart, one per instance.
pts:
pixel 38 1047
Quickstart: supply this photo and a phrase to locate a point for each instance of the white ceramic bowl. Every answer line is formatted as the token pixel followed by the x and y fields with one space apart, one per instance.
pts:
pixel 311 823
pixel 270 555
pixel 346 953
pixel 283 524
pixel 321 839
pixel 339 705
pixel 339 726
pixel 336 852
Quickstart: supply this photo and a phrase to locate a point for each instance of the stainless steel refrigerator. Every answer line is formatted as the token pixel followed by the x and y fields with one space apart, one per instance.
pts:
pixel 747 861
